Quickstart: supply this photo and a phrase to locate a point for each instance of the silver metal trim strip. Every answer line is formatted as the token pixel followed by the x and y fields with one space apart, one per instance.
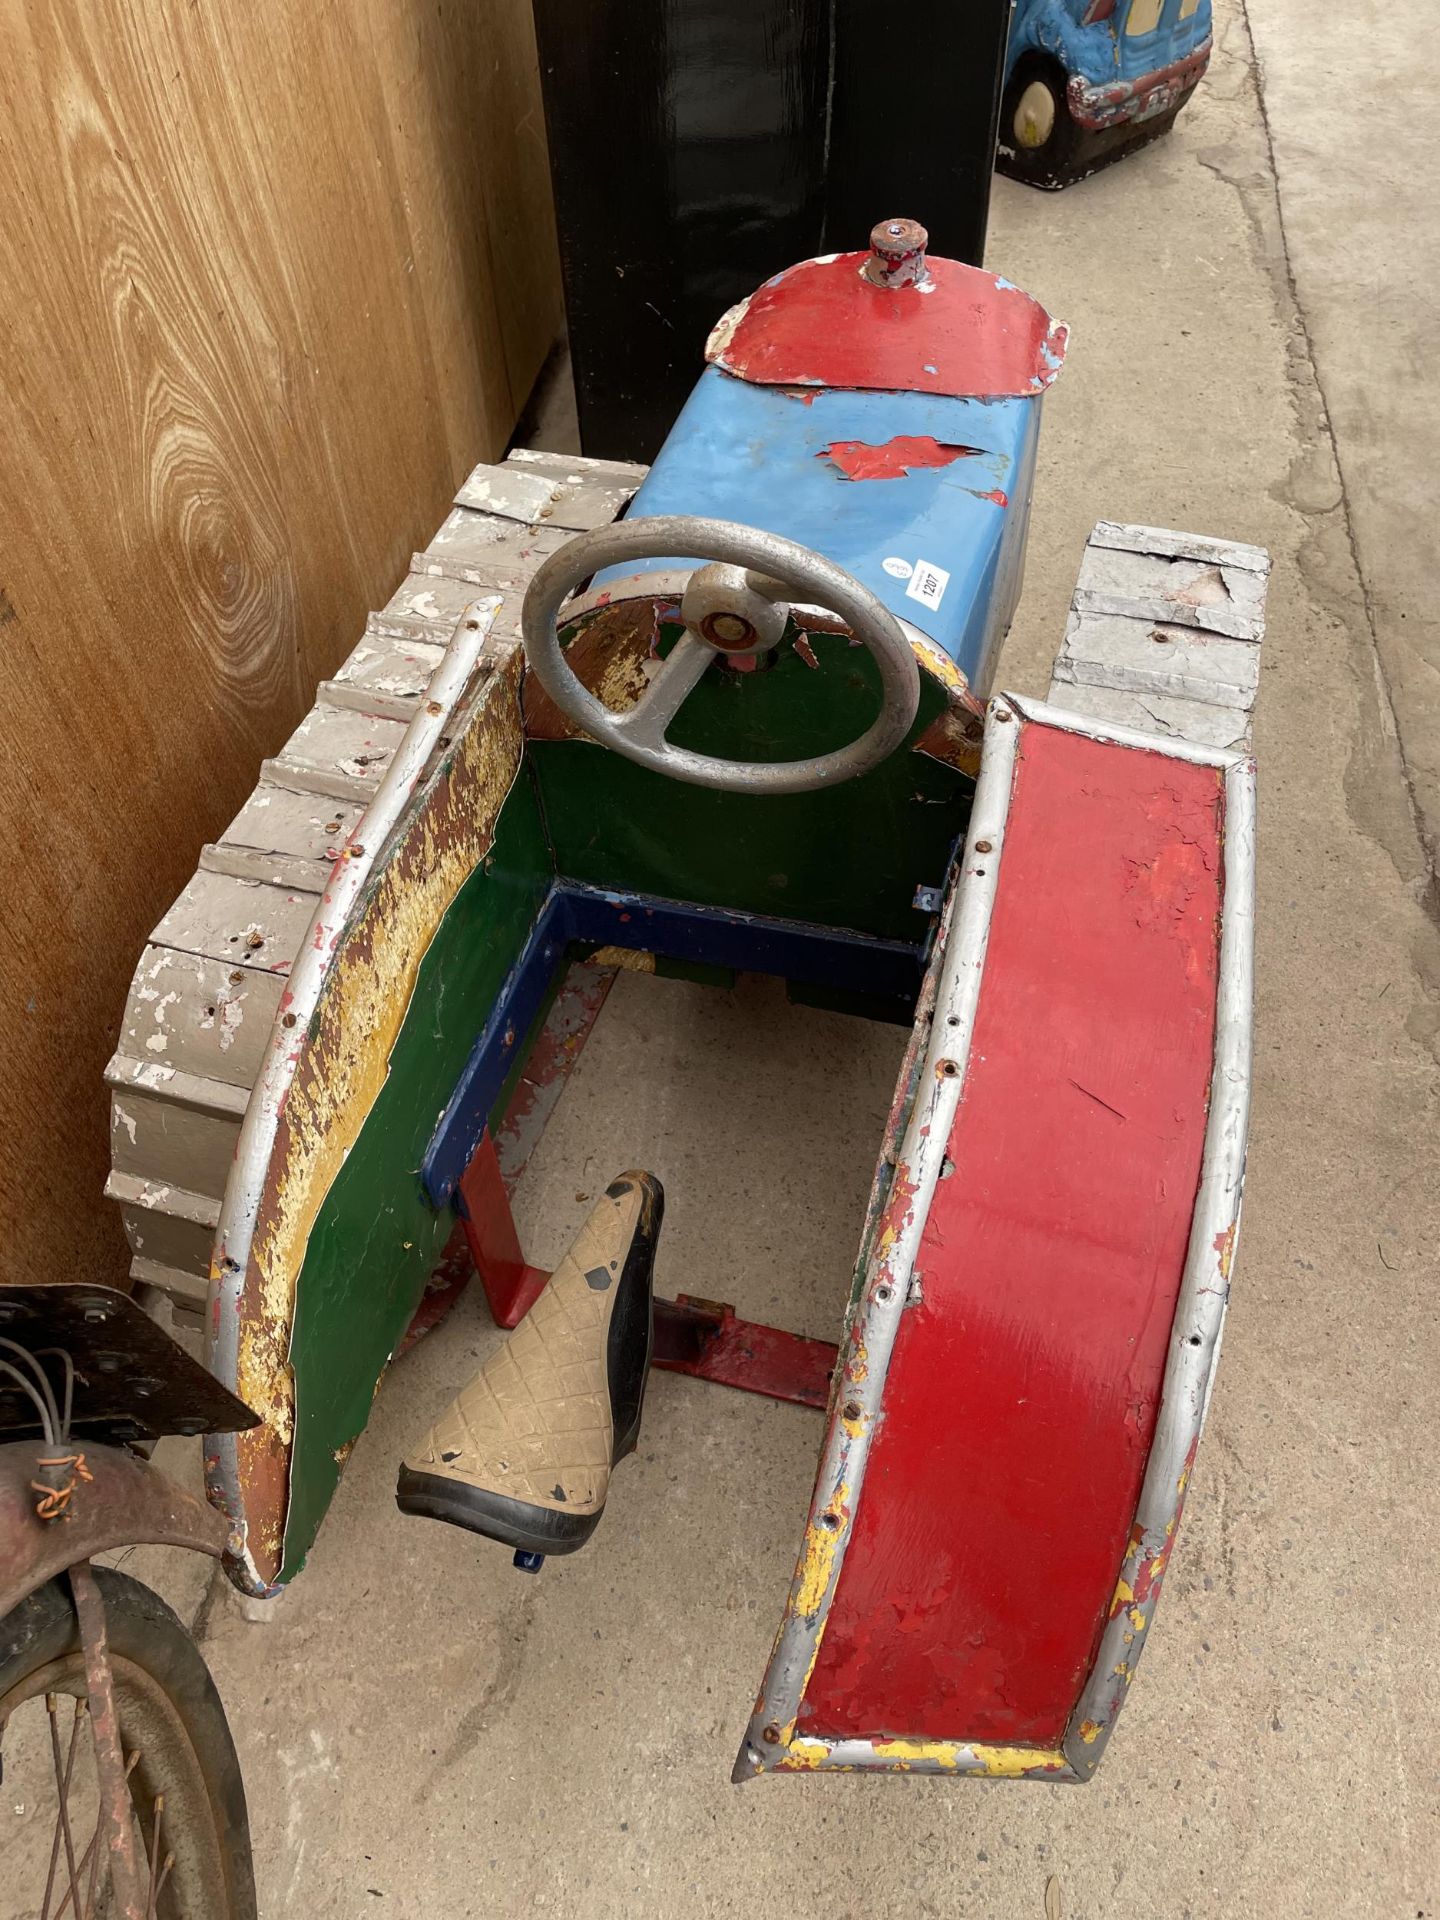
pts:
pixel 887 1283
pixel 1168 745
pixel 1204 1291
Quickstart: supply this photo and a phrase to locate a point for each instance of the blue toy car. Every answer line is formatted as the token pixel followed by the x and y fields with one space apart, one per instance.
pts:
pixel 1087 80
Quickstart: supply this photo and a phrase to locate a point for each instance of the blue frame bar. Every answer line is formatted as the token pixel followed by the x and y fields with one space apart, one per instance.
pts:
pixel 587 916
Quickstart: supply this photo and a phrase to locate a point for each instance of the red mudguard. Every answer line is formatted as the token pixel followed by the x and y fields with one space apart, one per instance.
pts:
pixel 1041 1294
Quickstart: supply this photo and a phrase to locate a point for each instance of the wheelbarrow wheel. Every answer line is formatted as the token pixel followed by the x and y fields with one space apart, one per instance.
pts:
pixel 1039 140
pixel 191 1833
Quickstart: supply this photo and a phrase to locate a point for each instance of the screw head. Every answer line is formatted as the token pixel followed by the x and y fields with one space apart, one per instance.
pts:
pixel 984 846
pixel 893 239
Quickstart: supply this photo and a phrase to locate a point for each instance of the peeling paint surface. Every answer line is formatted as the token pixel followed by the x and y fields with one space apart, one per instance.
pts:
pixel 343 1063
pixel 979 1574
pixel 892 459
pixel 890 486
pixel 822 324
pixel 972 1758
pixel 615 825
pixel 608 651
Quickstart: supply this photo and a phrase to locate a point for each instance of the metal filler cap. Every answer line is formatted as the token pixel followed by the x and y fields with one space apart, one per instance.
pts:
pixel 897 254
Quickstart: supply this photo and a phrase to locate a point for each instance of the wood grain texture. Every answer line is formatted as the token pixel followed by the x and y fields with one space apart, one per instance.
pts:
pixel 272 278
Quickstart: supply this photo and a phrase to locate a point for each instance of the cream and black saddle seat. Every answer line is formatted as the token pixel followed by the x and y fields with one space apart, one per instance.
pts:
pixel 524 1452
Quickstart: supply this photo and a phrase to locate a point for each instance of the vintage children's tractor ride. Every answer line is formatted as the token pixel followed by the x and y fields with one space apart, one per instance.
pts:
pixel 1088 81
pixel 748 726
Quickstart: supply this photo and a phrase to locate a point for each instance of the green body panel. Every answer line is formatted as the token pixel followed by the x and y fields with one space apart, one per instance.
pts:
pixel 848 856
pixel 377 1238
pixel 851 855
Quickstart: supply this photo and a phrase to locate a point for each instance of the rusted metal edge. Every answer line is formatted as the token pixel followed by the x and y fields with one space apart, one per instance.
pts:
pixel 883 1293
pixel 251 1164
pixel 124 1502
pixel 972 1759
pixel 1200 1309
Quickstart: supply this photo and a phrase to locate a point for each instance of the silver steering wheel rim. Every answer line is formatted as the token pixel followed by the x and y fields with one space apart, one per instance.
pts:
pixel 772 571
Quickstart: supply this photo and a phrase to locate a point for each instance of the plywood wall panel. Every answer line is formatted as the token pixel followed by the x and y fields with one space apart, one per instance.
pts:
pixel 255 324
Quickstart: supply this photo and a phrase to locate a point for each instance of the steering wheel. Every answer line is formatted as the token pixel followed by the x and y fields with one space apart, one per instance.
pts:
pixel 739 605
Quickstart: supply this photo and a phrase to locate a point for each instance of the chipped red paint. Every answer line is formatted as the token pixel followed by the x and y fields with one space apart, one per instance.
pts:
pixel 511 1286
pixel 1020 1402
pixel 961 332
pixel 1001 499
pixel 705 1339
pixel 893 459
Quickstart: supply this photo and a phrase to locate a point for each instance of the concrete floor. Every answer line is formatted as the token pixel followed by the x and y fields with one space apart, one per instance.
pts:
pixel 426 1732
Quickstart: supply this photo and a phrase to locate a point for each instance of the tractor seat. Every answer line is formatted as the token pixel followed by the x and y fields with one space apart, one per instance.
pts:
pixel 524 1452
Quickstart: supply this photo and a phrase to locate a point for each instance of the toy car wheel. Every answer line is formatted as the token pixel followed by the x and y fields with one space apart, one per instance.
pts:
pixel 1038 138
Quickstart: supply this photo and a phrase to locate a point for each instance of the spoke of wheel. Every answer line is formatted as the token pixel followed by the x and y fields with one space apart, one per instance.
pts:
pixel 91 1858
pixel 90 1884
pixel 62 1782
pixel 153 1893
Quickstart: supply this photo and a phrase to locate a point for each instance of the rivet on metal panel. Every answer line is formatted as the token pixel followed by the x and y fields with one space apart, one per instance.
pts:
pixel 984 846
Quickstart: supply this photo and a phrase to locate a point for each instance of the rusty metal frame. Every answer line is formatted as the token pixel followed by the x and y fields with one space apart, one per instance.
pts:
pixel 124 1502
pixel 770 1742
